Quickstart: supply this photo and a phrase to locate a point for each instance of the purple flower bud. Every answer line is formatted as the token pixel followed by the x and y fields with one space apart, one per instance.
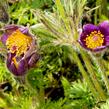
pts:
pixel 95 38
pixel 21 49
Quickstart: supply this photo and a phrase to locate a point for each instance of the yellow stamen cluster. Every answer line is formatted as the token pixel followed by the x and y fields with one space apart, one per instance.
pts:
pixel 18 43
pixel 94 39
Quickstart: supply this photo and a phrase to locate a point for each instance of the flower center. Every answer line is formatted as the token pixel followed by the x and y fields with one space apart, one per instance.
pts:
pixel 94 39
pixel 18 43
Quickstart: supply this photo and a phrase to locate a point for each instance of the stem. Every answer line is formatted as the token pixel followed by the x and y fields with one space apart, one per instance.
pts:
pixel 102 70
pixel 86 77
pixel 93 76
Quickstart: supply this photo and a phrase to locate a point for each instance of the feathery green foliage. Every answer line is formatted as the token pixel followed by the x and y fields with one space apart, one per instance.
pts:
pixel 78 94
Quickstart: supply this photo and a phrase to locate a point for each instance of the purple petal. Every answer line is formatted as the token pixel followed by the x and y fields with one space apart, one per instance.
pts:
pixel 9 58
pixel 22 65
pixel 107 40
pixel 82 38
pixel 88 28
pixel 98 48
pixel 10 65
pixel 22 68
pixel 11 27
pixel 33 59
pixel 13 69
pixel 104 28
pixel 4 38
pixel 8 31
pixel 31 50
pixel 25 31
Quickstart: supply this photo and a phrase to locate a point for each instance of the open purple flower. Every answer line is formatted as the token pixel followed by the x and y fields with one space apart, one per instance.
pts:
pixel 21 49
pixel 95 38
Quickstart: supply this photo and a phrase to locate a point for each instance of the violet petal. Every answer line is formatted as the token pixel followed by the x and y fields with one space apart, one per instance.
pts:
pixel 107 40
pixel 25 31
pixel 22 67
pixel 11 27
pixel 104 28
pixel 33 59
pixel 4 37
pixel 13 69
pixel 88 28
pixel 98 48
pixel 9 58
pixel 8 31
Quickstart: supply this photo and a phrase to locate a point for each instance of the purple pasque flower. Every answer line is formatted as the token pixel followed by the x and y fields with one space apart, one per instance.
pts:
pixel 21 49
pixel 95 38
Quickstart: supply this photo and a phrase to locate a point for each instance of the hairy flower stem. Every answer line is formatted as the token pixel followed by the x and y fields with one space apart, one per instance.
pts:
pixel 102 70
pixel 91 71
pixel 86 77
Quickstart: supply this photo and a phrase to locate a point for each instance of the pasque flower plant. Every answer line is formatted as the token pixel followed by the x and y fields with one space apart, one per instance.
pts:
pixel 21 49
pixel 95 38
